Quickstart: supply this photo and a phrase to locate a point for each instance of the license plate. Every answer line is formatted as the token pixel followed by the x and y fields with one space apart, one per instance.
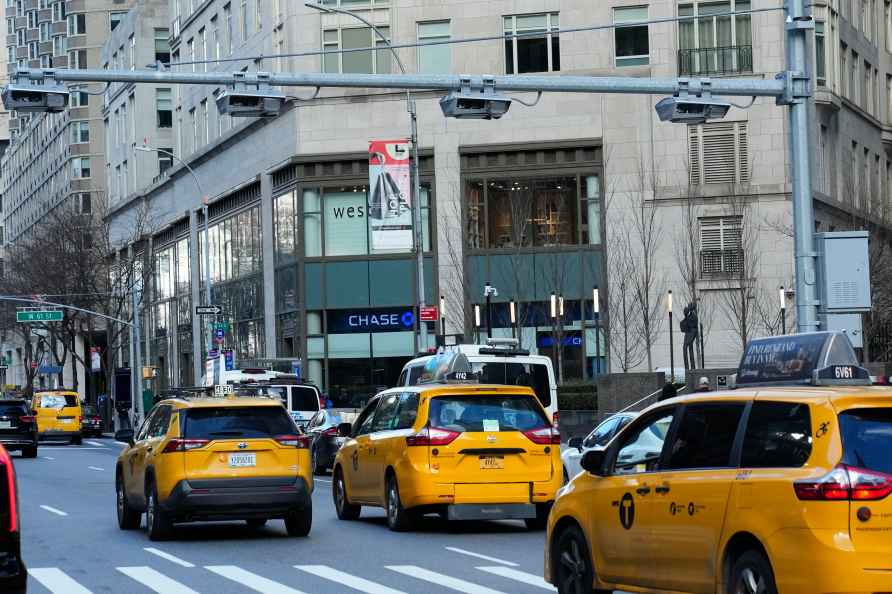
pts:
pixel 5 424
pixel 492 462
pixel 67 420
pixel 242 460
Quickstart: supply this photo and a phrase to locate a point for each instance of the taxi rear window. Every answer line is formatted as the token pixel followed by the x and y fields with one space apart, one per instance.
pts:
pixel 867 438
pixel 236 423
pixel 57 400
pixel 486 413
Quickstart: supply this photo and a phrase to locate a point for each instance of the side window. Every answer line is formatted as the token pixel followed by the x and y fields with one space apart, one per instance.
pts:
pixel 640 449
pixel 778 435
pixel 602 433
pixel 146 425
pixel 363 423
pixel 408 411
pixel 385 417
pixel 403 376
pixel 160 422
pixel 415 375
pixel 705 437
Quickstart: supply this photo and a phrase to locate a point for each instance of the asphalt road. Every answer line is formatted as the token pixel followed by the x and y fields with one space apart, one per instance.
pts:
pixel 72 545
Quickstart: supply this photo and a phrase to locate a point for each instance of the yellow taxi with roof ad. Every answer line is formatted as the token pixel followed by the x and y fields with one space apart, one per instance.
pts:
pixel 231 457
pixel 782 485
pixel 450 446
pixel 59 415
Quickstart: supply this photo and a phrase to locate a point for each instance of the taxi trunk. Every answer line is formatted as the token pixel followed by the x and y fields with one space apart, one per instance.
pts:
pixel 58 413
pixel 490 449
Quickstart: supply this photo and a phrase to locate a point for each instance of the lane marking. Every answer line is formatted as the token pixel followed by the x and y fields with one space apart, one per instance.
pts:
pixel 346 579
pixel 155 580
pixel 96 468
pixel 47 458
pixel 95 443
pixel 251 580
pixel 520 576
pixel 319 480
pixel 168 557
pixel 479 556
pixel 57 581
pixel 62 448
pixel 442 580
pixel 53 510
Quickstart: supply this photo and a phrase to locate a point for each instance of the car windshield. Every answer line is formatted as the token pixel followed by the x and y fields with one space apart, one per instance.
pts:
pixel 57 400
pixel 486 413
pixel 867 438
pixel 236 422
pixel 8 409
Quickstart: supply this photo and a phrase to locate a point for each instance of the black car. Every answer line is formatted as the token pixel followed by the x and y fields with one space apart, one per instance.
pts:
pixel 13 575
pixel 91 422
pixel 324 440
pixel 18 427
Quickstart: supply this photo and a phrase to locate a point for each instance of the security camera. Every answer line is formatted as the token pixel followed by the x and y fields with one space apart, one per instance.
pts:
pixel 490 291
pixel 468 104
pixel 30 98
pixel 691 110
pixel 250 104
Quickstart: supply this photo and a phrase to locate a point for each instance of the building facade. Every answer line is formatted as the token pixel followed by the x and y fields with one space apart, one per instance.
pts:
pixel 572 193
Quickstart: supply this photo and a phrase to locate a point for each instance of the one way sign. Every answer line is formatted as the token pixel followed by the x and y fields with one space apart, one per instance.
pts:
pixel 208 310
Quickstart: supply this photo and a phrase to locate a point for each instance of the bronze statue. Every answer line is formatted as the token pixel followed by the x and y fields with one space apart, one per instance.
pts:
pixel 690 326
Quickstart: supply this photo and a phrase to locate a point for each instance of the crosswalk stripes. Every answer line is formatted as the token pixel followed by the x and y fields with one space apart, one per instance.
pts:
pixel 520 576
pixel 57 581
pixel 442 580
pixel 347 579
pixel 155 580
pixel 256 582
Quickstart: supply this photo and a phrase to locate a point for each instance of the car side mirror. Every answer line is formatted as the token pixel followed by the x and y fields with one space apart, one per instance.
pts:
pixel 593 462
pixel 124 436
pixel 345 430
pixel 575 442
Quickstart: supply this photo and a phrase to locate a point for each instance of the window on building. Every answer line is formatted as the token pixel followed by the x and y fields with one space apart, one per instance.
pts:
pixel 215 38
pixel 243 19
pixel 164 107
pixel 820 58
pixel 77 59
pixel 165 160
pixel 84 203
pixel 434 59
pixel 715 44
pixel 78 97
pixel 80 132
pixel 58 11
pixel 80 167
pixel 844 69
pixel 368 62
pixel 44 32
pixel 227 16
pixel 33 50
pixel 889 99
pixel 718 153
pixel 778 435
pixel 258 14
pixel 193 130
pixel 631 40
pixel 10 54
pixel 162 45
pixel 10 26
pixel 854 79
pixel 77 24
pixel 887 14
pixel 539 50
pixel 866 95
pixel 20 37
pixel 115 19
pixel 45 61
pixel 32 19
pixel 59 46
pixel 190 53
pixel 721 252
pixel 205 125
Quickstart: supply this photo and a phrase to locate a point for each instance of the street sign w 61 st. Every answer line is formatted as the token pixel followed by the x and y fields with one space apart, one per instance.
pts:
pixel 39 316
pixel 208 310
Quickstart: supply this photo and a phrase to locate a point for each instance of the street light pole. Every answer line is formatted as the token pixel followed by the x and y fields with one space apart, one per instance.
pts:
pixel 487 292
pixel 783 311
pixel 443 317
pixel 596 312
pixel 671 341
pixel 414 168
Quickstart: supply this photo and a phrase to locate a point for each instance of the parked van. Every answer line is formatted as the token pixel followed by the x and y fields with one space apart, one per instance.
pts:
pixel 499 361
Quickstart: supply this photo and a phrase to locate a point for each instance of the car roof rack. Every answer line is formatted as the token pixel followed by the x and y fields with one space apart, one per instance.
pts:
pixel 805 359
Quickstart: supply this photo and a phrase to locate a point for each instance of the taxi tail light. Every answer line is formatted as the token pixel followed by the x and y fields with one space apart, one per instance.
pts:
pixel 846 483
pixel 11 494
pixel 331 432
pixel 555 418
pixel 301 442
pixel 429 436
pixel 26 418
pixel 184 445
pixel 544 435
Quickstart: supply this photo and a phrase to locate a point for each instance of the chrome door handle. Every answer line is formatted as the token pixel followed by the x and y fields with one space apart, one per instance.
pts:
pixel 662 489
pixel 643 490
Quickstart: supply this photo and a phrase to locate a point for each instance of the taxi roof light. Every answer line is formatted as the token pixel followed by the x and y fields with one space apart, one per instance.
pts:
pixel 448 368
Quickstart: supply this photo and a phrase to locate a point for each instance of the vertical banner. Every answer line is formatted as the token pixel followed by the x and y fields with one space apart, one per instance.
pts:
pixel 95 359
pixel 390 203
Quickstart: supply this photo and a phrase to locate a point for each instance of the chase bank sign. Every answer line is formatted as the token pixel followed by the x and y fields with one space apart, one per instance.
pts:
pixel 371 320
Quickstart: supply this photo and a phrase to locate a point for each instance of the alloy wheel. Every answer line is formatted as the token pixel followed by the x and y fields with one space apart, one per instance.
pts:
pixel 749 582
pixel 393 500
pixel 572 569
pixel 150 510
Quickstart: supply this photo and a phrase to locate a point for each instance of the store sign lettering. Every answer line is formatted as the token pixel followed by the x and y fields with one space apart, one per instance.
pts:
pixel 380 320
pixel 371 320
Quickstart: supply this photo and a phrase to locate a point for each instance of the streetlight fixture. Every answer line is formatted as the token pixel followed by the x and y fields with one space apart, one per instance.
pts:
pixel 783 310
pixel 442 315
pixel 477 321
pixel 196 363
pixel 489 292
pixel 596 312
pixel 561 306
pixel 671 341
pixel 553 305
pixel 512 312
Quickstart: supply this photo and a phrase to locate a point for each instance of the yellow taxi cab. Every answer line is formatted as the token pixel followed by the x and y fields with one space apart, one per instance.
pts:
pixel 59 415
pixel 230 457
pixel 780 485
pixel 451 446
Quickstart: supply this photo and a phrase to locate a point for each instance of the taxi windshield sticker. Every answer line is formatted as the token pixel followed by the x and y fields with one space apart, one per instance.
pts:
pixel 491 425
pixel 787 358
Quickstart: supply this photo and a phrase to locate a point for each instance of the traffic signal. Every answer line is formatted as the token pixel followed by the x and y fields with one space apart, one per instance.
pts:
pixel 29 98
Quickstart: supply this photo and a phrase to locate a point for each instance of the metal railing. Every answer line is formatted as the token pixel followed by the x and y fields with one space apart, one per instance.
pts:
pixel 735 59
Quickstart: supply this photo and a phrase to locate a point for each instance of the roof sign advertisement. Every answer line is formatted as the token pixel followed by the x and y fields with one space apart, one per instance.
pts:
pixel 794 358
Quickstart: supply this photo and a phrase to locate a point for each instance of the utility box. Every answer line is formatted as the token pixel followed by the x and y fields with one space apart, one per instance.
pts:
pixel 843 282
pixel 848 324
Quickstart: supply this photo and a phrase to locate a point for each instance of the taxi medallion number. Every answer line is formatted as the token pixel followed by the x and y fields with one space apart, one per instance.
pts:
pixel 242 460
pixel 492 462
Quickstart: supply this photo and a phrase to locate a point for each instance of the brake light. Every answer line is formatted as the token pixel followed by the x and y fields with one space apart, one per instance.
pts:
pixel 428 436
pixel 184 445
pixel 301 442
pixel 555 418
pixel 331 432
pixel 26 419
pixel 846 483
pixel 6 464
pixel 544 435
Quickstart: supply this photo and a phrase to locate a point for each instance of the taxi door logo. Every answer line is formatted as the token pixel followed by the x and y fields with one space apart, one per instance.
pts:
pixel 627 511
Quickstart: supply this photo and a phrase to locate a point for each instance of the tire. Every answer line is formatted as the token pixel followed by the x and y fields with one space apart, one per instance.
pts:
pixel 752 574
pixel 128 518
pixel 541 519
pixel 318 469
pixel 299 521
pixel 256 523
pixel 29 451
pixel 399 519
pixel 343 507
pixel 573 570
pixel 77 440
pixel 158 524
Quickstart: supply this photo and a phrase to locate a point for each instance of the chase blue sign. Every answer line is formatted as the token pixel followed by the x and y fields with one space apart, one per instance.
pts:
pixel 392 319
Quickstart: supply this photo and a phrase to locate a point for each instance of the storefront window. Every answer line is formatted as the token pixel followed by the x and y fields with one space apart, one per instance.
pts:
pixel 285 225
pixel 182 275
pixel 235 246
pixel 164 284
pixel 346 224
pixel 312 223
pixel 591 210
pixel 476 213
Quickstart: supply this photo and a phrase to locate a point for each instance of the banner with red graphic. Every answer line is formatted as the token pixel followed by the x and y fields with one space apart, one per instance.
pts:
pixel 390 202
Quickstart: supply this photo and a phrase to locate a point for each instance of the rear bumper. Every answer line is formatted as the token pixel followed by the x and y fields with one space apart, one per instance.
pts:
pixel 486 494
pixel 13 575
pixel 237 498
pixel 510 511
pixel 50 434
pixel 18 440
